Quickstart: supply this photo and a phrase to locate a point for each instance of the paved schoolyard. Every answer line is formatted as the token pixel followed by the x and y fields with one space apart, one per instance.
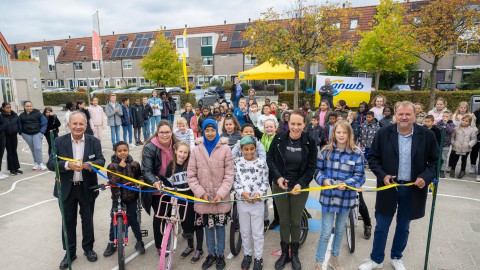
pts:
pixel 30 225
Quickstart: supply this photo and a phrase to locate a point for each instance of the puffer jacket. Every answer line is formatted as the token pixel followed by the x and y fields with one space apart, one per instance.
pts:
pixel 463 139
pixel 132 169
pixel 449 130
pixel 113 118
pixel 12 121
pixel 211 175
pixel 367 133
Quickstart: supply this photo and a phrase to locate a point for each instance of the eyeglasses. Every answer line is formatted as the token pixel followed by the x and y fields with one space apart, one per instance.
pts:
pixel 164 133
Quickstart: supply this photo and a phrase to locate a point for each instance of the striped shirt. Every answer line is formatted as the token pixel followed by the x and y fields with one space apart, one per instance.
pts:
pixel 343 167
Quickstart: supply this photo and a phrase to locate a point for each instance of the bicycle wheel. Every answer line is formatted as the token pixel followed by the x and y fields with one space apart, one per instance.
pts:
pixel 166 255
pixel 350 232
pixel 120 242
pixel 235 237
pixel 303 228
pixel 139 210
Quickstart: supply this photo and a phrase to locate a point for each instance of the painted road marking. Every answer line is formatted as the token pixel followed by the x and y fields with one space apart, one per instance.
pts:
pixel 131 257
pixel 18 181
pixel 27 207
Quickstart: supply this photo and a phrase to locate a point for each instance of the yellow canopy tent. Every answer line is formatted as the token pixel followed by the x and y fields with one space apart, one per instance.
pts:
pixel 266 71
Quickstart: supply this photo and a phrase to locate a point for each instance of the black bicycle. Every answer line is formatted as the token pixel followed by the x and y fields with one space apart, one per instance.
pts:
pixel 352 222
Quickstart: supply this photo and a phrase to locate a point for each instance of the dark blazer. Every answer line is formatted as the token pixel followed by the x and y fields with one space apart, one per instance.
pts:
pixel 92 153
pixel 383 160
pixel 276 158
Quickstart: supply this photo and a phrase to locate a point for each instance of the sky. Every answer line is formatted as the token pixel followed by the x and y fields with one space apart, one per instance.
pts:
pixel 36 20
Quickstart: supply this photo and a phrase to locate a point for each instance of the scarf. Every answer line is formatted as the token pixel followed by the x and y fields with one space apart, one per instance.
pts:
pixel 267 140
pixel 166 155
pixel 210 144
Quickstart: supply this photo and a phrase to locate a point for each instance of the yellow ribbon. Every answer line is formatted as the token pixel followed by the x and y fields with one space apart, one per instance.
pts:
pixel 319 188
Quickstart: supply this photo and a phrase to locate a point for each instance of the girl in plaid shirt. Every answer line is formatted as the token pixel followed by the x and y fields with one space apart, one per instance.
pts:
pixel 339 162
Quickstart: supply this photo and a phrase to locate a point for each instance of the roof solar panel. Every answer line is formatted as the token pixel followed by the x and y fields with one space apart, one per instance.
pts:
pixel 137 36
pixel 143 43
pixel 236 44
pixel 240 27
pixel 139 51
pixel 114 52
pixel 235 36
pixel 149 35
pixel 146 51
pixel 124 52
pixel 129 52
pixel 118 44
pixel 135 51
pixel 122 38
pixel 245 43
pixel 137 42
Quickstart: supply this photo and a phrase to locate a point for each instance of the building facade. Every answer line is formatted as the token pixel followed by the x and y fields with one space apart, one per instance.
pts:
pixel 68 62
pixel 6 82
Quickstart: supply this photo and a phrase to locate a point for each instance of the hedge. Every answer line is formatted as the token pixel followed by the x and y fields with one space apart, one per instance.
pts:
pixel 453 97
pixel 55 99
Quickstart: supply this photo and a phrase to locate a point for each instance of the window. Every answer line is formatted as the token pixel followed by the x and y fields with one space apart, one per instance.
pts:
pixel 250 60
pixel 206 41
pixel 34 53
pixel 180 43
pixel 61 83
pixel 337 25
pixel 77 66
pixel 207 60
pixel 107 82
pixel 151 43
pixel 50 83
pixel 233 55
pixel 93 83
pixel 82 48
pixel 224 55
pixel 51 68
pixel 127 64
pixel 144 82
pixel 466 73
pixel 50 51
pixel 224 39
pixel 353 24
pixel 82 83
pixel 95 65
pixel 131 81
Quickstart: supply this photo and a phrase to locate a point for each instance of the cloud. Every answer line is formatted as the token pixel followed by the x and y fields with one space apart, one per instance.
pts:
pixel 36 20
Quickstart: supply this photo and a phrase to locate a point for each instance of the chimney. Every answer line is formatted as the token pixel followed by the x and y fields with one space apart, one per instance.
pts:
pixel 343 5
pixel 185 25
pixel 249 20
pixel 225 22
pixel 164 28
pixel 15 51
pixel 113 32
pixel 68 37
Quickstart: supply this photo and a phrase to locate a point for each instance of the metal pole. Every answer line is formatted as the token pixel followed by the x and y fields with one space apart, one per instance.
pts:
pixel 435 190
pixel 60 200
pixel 88 81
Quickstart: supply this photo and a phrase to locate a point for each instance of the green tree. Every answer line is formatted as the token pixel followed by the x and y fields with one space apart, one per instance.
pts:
pixel 473 81
pixel 440 27
pixel 341 67
pixel 386 47
pixel 24 55
pixel 305 33
pixel 162 65
pixel 196 68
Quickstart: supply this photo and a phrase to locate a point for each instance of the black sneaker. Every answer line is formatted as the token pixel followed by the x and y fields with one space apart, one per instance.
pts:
pixel 273 225
pixel 221 262
pixel 266 224
pixel 367 232
pixel 461 174
pixel 109 250
pixel 140 247
pixel 197 256
pixel 209 261
pixel 258 264
pixel 247 261
pixel 187 252
pixel 20 172
pixel 13 173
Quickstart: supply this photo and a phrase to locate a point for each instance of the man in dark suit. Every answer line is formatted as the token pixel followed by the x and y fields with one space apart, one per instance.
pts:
pixel 76 178
pixel 404 153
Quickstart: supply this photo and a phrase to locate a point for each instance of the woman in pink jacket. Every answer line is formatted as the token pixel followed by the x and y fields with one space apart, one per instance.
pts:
pixel 210 177
pixel 96 118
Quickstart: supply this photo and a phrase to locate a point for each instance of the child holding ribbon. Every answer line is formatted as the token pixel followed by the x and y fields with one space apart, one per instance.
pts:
pixel 124 164
pixel 339 162
pixel 251 182
pixel 177 177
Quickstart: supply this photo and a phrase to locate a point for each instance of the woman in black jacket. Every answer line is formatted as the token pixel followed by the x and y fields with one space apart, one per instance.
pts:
pixel 81 108
pixel 53 125
pixel 11 140
pixel 286 161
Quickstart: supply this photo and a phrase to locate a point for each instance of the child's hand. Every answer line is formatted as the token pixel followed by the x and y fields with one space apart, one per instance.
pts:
pixel 342 186
pixel 295 189
pixel 217 199
pixel 257 197
pixel 157 185
pixel 327 182
pixel 246 196
pixel 205 197
pixel 122 163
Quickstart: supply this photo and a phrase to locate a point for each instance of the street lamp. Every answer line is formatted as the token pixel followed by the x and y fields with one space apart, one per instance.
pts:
pixel 88 81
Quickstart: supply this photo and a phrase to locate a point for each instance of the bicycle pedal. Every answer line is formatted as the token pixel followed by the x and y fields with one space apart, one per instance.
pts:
pixel 360 218
pixel 144 233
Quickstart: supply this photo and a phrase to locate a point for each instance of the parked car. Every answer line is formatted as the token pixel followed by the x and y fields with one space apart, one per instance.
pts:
pixel 57 90
pixel 401 87
pixel 446 86
pixel 129 90
pixel 220 91
pixel 175 90
pixel 100 91
pixel 205 97
pixel 147 91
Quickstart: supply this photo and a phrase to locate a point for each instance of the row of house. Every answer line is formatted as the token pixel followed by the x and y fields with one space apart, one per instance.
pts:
pixel 68 62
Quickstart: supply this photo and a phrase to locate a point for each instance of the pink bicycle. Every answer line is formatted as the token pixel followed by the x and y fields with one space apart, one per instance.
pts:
pixel 171 218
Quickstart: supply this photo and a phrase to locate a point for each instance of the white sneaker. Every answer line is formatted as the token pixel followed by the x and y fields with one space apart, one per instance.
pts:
pixel 472 169
pixel 36 167
pixel 43 167
pixel 369 265
pixel 478 178
pixel 447 170
pixel 3 176
pixel 398 264
pixel 132 145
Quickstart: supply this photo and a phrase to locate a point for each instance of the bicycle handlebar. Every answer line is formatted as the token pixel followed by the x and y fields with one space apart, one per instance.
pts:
pixel 175 189
pixel 107 185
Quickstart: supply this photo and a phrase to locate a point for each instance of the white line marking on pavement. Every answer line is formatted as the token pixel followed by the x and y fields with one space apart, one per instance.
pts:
pixel 30 164
pixel 131 257
pixel 441 179
pixel 450 196
pixel 27 207
pixel 18 181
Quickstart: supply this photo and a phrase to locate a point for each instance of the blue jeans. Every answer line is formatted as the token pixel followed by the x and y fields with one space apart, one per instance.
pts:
pixel 171 117
pixel 218 248
pixel 327 223
pixel 235 103
pixel 146 129
pixel 154 122
pixel 400 238
pixel 34 142
pixel 127 129
pixel 131 218
pixel 115 134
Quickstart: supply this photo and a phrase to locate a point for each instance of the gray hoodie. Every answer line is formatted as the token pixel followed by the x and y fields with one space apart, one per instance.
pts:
pixel 113 118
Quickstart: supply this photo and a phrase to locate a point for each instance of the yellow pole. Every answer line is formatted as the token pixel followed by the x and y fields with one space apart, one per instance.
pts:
pixel 185 60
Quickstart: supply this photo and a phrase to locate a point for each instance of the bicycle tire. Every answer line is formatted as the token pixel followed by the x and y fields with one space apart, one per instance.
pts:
pixel 121 242
pixel 139 210
pixel 350 232
pixel 235 237
pixel 303 228
pixel 166 255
